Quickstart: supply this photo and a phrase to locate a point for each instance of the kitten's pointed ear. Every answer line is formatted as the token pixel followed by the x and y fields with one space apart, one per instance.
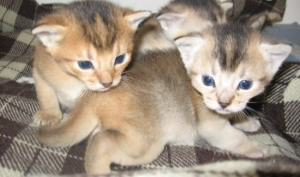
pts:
pixel 49 35
pixel 276 54
pixel 136 18
pixel 169 21
pixel 188 47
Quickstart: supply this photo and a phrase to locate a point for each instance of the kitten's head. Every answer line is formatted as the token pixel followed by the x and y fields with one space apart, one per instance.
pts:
pixel 91 40
pixel 230 64
pixel 181 17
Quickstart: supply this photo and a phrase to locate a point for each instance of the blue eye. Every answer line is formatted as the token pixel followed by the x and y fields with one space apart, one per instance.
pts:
pixel 245 85
pixel 119 59
pixel 85 64
pixel 208 81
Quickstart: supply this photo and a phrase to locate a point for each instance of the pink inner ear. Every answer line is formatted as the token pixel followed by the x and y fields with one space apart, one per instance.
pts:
pixel 169 20
pixel 44 33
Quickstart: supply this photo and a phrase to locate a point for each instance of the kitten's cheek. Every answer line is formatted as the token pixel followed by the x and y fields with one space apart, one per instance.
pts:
pixel 116 81
pixel 237 108
pixel 211 105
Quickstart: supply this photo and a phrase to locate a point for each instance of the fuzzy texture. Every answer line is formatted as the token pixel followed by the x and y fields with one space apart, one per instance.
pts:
pixel 94 32
pixel 225 42
pixel 181 17
pixel 21 154
pixel 230 54
pixel 154 105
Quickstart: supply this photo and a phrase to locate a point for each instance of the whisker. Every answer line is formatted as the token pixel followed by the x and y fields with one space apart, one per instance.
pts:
pixel 257 113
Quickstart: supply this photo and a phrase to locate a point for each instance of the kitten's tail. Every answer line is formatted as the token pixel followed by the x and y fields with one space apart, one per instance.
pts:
pixel 68 133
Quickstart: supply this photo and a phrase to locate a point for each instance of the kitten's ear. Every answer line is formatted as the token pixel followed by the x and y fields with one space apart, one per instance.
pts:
pixel 188 47
pixel 169 21
pixel 136 18
pixel 49 35
pixel 276 54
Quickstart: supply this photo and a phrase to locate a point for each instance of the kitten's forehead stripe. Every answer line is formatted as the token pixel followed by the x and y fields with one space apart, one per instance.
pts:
pixel 230 45
pixel 87 13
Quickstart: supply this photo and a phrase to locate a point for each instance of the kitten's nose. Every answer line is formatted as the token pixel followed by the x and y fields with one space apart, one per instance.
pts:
pixel 107 84
pixel 224 105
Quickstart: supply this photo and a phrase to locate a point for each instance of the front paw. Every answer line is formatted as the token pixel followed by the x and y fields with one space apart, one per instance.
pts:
pixel 249 125
pixel 43 118
pixel 253 149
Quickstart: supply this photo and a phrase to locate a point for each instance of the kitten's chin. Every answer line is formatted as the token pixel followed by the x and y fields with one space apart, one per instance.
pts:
pixel 100 87
pixel 230 109
pixel 223 111
pixel 97 88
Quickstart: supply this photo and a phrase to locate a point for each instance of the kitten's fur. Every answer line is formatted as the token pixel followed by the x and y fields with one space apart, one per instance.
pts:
pixel 230 54
pixel 181 17
pixel 155 104
pixel 93 31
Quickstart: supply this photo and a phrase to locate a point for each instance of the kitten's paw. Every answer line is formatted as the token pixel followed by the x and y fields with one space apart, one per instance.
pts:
pixel 254 149
pixel 42 119
pixel 98 170
pixel 248 125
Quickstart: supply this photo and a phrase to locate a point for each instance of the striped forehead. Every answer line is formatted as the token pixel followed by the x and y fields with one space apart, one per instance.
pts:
pixel 230 47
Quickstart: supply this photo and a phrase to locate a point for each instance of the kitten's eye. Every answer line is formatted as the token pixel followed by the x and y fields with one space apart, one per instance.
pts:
pixel 208 81
pixel 85 64
pixel 245 85
pixel 119 59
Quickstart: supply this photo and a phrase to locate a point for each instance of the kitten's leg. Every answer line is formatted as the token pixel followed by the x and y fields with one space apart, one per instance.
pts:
pixel 80 123
pixel 97 156
pixel 249 124
pixel 105 148
pixel 49 112
pixel 219 132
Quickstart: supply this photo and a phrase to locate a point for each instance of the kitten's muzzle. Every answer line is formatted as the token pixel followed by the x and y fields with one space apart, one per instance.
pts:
pixel 107 84
pixel 224 104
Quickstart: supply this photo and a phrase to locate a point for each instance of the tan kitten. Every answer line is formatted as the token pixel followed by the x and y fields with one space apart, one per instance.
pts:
pixel 85 45
pixel 156 104
pixel 229 64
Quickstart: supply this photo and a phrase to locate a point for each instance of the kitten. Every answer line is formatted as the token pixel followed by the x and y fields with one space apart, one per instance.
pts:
pixel 181 17
pixel 156 104
pixel 85 45
pixel 230 64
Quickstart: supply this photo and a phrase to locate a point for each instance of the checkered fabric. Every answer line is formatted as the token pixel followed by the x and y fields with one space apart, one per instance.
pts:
pixel 283 101
pixel 16 50
pixel 22 155
pixel 17 15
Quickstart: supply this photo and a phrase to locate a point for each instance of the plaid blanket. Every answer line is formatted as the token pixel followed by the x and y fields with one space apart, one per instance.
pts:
pixel 254 13
pixel 22 155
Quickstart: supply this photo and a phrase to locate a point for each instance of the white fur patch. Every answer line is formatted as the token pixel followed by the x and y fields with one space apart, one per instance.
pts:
pixel 26 80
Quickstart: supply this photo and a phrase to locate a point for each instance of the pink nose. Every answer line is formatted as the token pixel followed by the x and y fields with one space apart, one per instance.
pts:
pixel 224 105
pixel 107 85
